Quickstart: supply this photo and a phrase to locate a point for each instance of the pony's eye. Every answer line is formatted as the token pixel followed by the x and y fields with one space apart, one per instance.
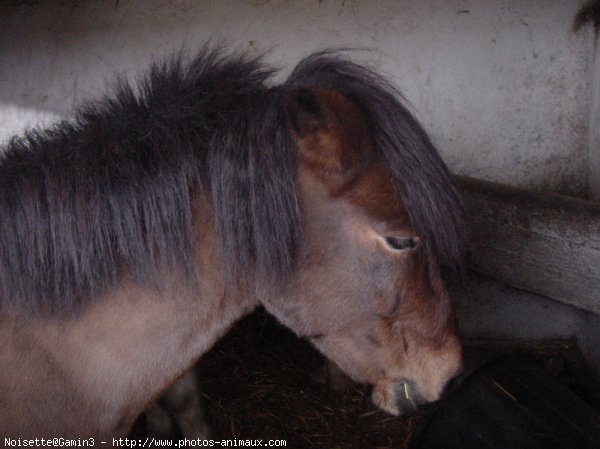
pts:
pixel 400 243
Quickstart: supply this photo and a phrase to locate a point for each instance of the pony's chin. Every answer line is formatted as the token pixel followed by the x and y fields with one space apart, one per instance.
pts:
pixel 398 398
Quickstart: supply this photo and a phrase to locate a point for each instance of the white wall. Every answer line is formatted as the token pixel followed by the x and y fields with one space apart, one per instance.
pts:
pixel 502 85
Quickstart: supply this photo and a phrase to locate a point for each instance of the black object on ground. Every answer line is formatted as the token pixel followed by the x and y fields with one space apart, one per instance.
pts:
pixel 510 403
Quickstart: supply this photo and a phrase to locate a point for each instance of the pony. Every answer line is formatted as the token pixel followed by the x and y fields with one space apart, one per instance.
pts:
pixel 133 236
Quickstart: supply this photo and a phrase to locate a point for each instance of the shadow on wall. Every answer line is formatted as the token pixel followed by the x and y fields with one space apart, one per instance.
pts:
pixel 589 13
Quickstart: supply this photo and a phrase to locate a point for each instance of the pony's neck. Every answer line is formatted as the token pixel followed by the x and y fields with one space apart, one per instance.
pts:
pixel 116 357
pixel 98 370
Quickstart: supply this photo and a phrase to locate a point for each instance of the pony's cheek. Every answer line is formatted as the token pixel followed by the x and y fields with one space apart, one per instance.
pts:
pixel 386 281
pixel 386 304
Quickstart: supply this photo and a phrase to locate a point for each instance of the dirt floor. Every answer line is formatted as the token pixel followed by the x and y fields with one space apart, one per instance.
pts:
pixel 260 381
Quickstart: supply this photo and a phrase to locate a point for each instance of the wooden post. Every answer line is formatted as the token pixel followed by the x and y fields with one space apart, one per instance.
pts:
pixel 540 242
pixel 593 155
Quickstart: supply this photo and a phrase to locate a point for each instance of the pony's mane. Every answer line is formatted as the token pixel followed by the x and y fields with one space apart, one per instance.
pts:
pixel 110 193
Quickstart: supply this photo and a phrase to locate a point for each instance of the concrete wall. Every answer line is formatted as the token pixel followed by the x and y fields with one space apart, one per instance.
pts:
pixel 502 85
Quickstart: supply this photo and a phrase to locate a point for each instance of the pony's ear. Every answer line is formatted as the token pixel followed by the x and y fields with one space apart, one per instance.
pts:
pixel 305 114
pixel 330 132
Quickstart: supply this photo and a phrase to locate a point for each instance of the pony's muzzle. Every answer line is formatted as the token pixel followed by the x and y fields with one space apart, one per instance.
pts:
pixel 409 400
pixel 400 398
pixel 407 397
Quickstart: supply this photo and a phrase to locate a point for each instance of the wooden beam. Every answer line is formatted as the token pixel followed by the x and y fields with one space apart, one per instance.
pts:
pixel 593 157
pixel 540 242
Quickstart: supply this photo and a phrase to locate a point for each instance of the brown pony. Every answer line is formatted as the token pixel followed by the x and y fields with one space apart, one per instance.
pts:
pixel 133 237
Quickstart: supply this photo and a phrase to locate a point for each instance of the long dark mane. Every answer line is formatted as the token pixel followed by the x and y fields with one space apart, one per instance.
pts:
pixel 109 194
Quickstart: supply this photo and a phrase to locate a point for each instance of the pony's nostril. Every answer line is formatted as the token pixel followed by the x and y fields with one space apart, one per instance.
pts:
pixel 407 397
